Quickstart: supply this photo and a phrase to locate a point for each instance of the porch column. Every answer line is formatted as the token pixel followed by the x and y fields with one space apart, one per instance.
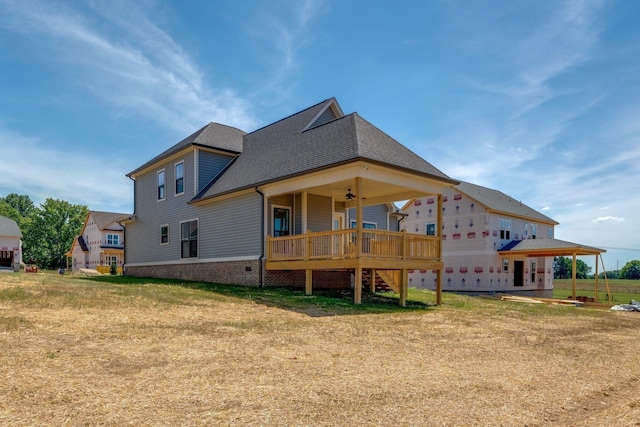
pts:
pixel 596 284
pixel 303 204
pixel 439 271
pixel 357 289
pixel 574 266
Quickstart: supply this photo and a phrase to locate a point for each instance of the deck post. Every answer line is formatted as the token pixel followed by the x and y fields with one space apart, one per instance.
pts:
pixel 438 287
pixel 404 287
pixel 308 290
pixel 372 284
pixel 357 287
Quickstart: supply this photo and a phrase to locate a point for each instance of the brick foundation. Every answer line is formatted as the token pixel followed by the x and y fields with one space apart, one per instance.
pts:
pixel 242 273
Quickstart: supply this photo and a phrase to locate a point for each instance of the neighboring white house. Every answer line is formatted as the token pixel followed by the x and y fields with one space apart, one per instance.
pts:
pixel 491 242
pixel 10 244
pixel 101 242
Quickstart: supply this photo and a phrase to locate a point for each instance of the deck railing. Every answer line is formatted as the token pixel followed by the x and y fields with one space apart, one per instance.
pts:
pixel 340 244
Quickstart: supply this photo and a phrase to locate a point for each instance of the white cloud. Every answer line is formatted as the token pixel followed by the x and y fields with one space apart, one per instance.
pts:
pixel 608 219
pixel 122 57
pixel 77 178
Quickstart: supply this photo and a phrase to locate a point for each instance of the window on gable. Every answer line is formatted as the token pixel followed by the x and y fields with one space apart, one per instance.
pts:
pixel 189 239
pixel 180 178
pixel 113 240
pixel 164 234
pixel 161 186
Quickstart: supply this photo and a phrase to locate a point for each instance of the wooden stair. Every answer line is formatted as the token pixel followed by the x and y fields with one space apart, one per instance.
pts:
pixel 383 282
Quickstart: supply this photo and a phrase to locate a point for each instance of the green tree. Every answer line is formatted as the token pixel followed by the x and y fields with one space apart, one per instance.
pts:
pixel 631 270
pixel 563 268
pixel 50 230
pixel 16 207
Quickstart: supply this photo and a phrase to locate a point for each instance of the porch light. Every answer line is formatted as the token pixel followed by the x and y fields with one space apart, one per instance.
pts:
pixel 349 195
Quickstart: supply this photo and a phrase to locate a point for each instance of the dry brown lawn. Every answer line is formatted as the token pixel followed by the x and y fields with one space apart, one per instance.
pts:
pixel 76 352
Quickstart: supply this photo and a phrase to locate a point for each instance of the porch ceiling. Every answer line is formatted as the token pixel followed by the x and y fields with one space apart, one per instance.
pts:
pixel 373 192
pixel 378 184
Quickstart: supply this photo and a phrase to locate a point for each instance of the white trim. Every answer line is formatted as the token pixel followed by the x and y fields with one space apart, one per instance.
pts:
pixel 175 178
pixel 194 261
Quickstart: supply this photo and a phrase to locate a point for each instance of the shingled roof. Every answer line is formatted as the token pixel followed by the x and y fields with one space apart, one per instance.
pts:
pixel 306 142
pixel 213 135
pixel 497 201
pixel 549 247
pixel 105 219
pixel 9 228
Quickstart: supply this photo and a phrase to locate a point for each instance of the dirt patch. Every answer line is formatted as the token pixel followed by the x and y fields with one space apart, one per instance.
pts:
pixel 142 358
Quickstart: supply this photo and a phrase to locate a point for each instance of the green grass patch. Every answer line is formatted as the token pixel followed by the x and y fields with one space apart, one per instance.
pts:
pixel 622 291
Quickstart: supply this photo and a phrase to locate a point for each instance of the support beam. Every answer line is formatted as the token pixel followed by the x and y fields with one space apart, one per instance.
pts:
pixel 596 284
pixel 308 289
pixel 573 276
pixel 357 287
pixel 404 287
pixel 439 287
pixel 372 284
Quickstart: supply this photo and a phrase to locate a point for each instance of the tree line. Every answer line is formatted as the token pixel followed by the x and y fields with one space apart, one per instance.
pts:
pixel 47 230
pixel 563 268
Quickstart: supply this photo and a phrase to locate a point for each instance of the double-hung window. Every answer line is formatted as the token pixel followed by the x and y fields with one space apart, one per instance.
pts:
pixel 113 240
pixel 189 239
pixel 365 224
pixel 505 229
pixel 179 178
pixel 161 185
pixel 164 234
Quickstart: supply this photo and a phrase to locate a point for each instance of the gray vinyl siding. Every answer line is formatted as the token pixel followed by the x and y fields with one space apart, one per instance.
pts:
pixel 325 117
pixel 226 229
pixel 231 228
pixel 209 166
pixel 376 214
pixel 143 235
pixel 319 213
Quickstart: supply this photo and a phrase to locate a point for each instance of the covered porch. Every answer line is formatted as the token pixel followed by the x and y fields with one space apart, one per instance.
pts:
pixel 317 226
pixel 554 248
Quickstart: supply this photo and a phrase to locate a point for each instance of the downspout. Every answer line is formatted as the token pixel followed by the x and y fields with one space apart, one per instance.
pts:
pixel 260 272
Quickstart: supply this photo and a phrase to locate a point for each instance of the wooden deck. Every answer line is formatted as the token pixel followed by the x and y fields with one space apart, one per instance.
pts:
pixel 339 249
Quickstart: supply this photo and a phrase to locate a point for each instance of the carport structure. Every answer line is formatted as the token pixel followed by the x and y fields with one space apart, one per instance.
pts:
pixel 535 248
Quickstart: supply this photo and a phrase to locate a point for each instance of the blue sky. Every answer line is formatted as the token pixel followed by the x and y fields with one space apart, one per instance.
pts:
pixel 540 100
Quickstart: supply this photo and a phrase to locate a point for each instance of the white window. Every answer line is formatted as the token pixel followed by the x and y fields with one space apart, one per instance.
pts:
pixel 189 239
pixel 179 178
pixel 110 260
pixel 534 230
pixel 113 240
pixel 161 185
pixel 550 232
